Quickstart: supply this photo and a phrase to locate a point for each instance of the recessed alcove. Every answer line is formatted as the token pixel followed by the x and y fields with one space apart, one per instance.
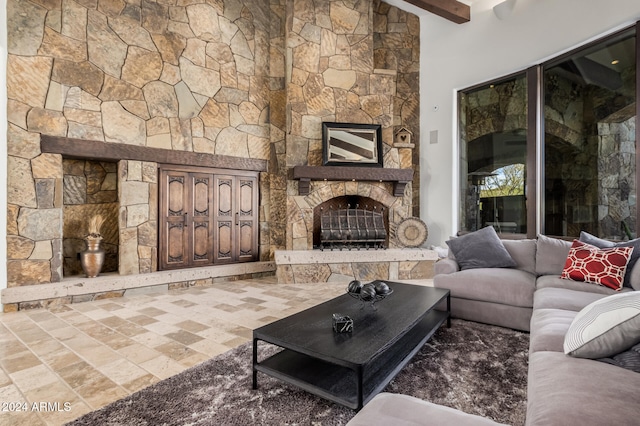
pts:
pixel 89 188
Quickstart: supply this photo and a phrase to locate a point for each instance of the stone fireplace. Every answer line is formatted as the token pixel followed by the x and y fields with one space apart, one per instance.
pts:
pixel 302 264
pixel 227 82
pixel 350 221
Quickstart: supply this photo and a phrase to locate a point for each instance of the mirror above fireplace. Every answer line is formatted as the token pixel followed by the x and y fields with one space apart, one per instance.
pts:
pixel 348 144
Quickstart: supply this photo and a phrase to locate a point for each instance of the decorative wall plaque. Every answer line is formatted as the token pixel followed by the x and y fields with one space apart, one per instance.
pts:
pixel 412 232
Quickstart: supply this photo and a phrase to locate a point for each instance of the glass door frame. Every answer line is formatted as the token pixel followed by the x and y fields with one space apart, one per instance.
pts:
pixel 539 101
pixel 535 182
pixel 532 172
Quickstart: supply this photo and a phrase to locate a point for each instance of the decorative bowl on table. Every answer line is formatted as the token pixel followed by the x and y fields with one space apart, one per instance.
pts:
pixel 372 292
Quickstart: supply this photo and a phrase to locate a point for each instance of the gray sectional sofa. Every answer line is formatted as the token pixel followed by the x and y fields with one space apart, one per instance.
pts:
pixel 531 296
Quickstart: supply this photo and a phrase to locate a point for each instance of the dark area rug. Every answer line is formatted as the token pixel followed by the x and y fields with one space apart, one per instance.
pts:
pixel 476 368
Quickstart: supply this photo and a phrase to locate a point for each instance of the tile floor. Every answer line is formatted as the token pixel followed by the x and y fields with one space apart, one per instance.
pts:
pixel 60 363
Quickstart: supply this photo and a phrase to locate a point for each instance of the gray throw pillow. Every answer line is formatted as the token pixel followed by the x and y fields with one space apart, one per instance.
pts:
pixel 551 255
pixel 480 249
pixel 585 237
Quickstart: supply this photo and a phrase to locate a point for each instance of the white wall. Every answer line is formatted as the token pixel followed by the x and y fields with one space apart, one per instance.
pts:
pixel 454 57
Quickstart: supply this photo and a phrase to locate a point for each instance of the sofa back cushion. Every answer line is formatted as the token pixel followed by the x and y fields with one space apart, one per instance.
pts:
pixel 551 255
pixel 480 249
pixel 523 252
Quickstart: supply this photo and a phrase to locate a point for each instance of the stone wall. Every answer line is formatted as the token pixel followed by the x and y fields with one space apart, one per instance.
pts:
pixel 138 218
pixel 34 216
pixel 396 43
pixel 180 75
pixel 243 78
pixel 335 48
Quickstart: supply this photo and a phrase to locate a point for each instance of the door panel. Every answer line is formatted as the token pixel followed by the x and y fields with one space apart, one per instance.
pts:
pixel 201 238
pixel 173 250
pixel 208 217
pixel 176 244
pixel 224 244
pixel 248 218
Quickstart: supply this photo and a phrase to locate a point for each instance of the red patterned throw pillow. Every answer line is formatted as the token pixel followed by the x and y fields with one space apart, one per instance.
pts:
pixel 601 266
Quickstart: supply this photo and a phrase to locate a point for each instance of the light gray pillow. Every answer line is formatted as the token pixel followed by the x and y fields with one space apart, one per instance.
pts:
pixel 585 237
pixel 605 327
pixel 480 249
pixel 551 255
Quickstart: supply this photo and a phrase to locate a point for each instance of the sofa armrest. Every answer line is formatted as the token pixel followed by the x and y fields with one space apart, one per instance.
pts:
pixel 447 266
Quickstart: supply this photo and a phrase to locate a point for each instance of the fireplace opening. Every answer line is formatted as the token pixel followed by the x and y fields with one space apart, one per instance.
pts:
pixel 350 221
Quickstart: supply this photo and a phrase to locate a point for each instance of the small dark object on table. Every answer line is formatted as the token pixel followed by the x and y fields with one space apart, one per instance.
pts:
pixel 342 323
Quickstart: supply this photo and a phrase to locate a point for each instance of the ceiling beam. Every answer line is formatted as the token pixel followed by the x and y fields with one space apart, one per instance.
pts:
pixel 452 10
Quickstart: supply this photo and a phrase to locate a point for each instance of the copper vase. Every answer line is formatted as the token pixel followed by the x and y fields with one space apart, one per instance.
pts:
pixel 92 258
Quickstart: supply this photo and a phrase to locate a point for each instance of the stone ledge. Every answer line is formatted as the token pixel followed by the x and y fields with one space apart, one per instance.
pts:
pixel 295 257
pixel 307 266
pixel 112 282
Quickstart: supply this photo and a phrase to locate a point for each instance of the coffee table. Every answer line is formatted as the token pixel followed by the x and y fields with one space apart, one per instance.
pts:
pixel 351 368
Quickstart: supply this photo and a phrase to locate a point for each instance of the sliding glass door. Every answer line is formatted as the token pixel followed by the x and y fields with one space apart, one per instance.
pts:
pixel 493 147
pixel 581 167
pixel 590 140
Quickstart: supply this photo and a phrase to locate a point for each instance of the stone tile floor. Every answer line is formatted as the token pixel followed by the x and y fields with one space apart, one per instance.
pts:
pixel 60 363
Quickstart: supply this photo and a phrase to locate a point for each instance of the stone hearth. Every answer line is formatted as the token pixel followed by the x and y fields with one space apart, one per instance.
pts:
pixel 304 266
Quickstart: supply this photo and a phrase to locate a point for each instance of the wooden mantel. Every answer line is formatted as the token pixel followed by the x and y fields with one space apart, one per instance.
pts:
pixel 305 174
pixel 109 151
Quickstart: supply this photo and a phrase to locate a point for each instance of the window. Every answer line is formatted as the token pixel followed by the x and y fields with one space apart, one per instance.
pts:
pixel 494 154
pixel 590 140
pixel 588 176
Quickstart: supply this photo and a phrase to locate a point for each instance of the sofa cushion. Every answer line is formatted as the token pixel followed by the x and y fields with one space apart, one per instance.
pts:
pixel 599 242
pixel 395 409
pixel 591 264
pixel 562 390
pixel 563 298
pixel 523 252
pixel 514 317
pixel 629 359
pixel 548 328
pixel 551 254
pixel 605 327
pixel 557 282
pixel 480 249
pixel 503 285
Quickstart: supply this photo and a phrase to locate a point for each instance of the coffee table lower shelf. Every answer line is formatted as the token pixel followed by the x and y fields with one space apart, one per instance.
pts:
pixel 347 384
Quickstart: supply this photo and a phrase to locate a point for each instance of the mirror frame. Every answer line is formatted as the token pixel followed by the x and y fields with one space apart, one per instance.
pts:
pixel 370 135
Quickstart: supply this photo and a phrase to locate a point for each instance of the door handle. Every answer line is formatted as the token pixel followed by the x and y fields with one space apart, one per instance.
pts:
pixel 186 220
pixel 237 218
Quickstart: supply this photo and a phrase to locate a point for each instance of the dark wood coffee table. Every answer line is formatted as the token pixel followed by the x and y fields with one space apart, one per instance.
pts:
pixel 351 368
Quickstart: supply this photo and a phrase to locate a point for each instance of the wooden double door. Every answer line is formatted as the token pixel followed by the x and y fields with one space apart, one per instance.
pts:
pixel 207 216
